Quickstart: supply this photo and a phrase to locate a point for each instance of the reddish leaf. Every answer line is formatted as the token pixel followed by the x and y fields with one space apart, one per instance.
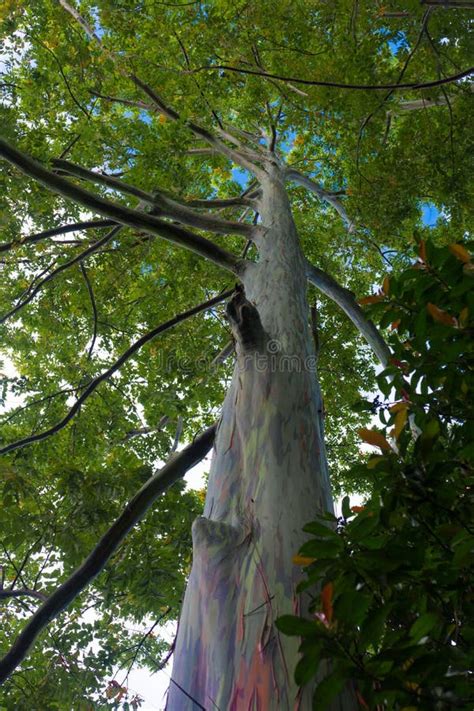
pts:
pixel 460 252
pixel 439 315
pixel 326 600
pixel 376 439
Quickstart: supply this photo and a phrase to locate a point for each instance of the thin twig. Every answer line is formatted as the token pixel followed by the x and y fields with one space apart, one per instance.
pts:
pixel 94 308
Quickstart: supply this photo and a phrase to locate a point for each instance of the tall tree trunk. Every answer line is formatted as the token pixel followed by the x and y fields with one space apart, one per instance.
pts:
pixel 268 478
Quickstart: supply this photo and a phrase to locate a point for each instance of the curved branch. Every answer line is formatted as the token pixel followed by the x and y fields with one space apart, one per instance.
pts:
pixel 106 374
pixel 337 85
pixel 170 208
pixel 23 592
pixel 346 301
pixel 120 213
pixel 76 227
pixel 62 267
pixel 330 198
pixel 134 511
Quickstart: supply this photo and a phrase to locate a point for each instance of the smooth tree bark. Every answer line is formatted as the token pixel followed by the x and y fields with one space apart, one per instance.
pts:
pixel 268 478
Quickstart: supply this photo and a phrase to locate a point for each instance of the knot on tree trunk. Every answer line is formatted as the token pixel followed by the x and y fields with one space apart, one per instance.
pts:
pixel 216 541
pixel 245 322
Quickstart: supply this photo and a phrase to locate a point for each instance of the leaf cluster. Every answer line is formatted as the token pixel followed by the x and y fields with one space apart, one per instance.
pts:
pixel 391 582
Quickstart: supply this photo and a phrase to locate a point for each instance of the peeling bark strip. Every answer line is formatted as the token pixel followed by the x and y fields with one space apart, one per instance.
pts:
pixel 134 511
pixel 268 478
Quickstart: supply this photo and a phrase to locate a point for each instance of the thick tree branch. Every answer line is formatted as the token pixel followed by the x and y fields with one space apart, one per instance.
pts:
pixel 322 194
pixel 120 213
pixel 106 374
pixel 167 206
pixel 345 299
pixel 66 167
pixel 63 229
pixel 135 510
pixel 170 208
pixel 220 203
pixel 417 104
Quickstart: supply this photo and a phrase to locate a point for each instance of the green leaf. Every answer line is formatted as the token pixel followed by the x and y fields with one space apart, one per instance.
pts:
pixel 307 666
pixel 423 625
pixel 296 626
pixel 346 507
pixel 351 607
pixel 327 690
pixel 319 530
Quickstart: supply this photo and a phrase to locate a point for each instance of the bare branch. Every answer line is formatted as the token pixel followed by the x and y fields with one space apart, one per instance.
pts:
pixel 179 430
pixel 330 198
pixel 167 206
pixel 64 166
pixel 106 374
pixel 136 103
pixel 352 87
pixel 220 203
pixel 134 512
pixel 345 299
pixel 120 213
pixel 417 104
pixel 76 227
pixel 170 208
pixel 170 204
pixel 94 308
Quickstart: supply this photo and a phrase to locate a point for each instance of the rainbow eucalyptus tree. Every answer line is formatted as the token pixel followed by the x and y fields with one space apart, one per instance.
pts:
pixel 203 149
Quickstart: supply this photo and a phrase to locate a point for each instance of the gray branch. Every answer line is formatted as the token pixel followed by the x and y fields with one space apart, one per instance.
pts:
pixel 345 299
pixel 324 195
pixel 120 213
pixel 167 206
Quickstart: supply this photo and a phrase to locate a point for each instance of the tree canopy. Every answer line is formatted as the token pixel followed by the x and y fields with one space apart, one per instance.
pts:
pixel 351 113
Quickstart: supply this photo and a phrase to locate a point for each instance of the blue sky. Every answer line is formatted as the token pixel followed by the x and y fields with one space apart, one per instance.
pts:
pixel 429 214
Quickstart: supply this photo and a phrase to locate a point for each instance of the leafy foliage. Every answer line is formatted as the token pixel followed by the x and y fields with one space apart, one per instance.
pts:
pixel 62 94
pixel 395 611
